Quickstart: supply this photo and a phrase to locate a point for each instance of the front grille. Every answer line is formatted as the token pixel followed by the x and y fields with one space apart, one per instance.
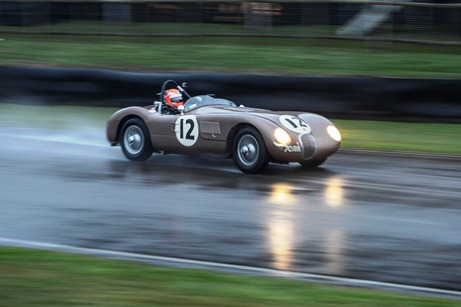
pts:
pixel 309 145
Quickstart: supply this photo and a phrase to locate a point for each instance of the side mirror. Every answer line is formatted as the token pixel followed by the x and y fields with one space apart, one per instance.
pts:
pixel 181 109
pixel 184 85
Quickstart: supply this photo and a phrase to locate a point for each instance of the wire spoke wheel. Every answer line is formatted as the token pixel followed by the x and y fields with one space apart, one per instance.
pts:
pixel 248 150
pixel 250 153
pixel 135 140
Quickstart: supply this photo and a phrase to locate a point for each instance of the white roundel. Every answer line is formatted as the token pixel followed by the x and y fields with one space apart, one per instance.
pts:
pixel 186 129
pixel 295 124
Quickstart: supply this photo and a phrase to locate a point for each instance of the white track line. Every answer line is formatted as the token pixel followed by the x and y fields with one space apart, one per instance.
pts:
pixel 231 268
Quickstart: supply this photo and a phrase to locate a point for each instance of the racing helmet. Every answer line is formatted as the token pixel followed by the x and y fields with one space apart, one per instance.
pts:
pixel 173 98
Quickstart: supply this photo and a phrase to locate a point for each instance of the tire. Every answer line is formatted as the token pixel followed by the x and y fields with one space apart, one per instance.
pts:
pixel 313 163
pixel 249 151
pixel 135 140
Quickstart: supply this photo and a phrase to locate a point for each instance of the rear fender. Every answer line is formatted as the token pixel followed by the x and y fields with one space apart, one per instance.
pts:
pixel 116 121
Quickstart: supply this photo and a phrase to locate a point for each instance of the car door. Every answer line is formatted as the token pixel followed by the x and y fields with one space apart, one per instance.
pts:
pixel 175 133
pixel 162 130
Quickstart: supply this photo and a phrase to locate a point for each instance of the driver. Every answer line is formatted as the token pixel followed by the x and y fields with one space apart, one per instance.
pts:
pixel 173 99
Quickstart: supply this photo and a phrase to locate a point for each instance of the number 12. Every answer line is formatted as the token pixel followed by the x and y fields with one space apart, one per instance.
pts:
pixel 189 135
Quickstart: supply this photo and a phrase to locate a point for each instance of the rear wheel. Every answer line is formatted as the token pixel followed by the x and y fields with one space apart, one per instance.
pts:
pixel 249 151
pixel 135 140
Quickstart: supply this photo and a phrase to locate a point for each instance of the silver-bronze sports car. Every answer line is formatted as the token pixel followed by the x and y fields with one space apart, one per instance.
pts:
pixel 205 125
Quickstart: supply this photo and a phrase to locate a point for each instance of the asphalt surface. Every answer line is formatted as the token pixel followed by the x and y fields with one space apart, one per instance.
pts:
pixel 378 217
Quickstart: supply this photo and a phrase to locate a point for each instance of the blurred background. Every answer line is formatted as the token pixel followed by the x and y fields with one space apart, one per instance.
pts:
pixel 424 21
pixel 321 38
pixel 277 37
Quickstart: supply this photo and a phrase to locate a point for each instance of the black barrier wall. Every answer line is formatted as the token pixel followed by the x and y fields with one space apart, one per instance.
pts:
pixel 354 97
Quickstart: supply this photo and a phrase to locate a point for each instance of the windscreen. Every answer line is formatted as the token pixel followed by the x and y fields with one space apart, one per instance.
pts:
pixel 203 100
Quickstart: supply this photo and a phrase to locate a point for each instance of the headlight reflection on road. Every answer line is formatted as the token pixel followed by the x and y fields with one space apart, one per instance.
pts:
pixel 335 241
pixel 281 239
pixel 282 194
pixel 282 219
pixel 281 225
pixel 334 194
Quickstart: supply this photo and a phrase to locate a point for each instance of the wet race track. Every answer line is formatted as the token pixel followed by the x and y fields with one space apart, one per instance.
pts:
pixel 368 216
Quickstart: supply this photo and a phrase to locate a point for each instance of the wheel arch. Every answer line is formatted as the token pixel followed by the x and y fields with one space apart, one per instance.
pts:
pixel 233 132
pixel 262 125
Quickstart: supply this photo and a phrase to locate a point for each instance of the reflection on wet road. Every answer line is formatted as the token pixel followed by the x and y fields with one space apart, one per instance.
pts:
pixel 367 216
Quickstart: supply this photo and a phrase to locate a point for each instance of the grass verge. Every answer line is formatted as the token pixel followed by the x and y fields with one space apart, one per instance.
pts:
pixel 398 136
pixel 42 278
pixel 233 54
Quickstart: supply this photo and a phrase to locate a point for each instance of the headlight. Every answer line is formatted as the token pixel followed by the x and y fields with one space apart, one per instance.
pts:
pixel 282 137
pixel 334 133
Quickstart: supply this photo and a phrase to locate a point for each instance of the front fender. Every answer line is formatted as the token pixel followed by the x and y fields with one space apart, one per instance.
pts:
pixel 266 126
pixel 326 145
pixel 317 144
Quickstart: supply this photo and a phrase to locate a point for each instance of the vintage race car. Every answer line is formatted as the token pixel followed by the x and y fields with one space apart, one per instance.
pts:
pixel 206 125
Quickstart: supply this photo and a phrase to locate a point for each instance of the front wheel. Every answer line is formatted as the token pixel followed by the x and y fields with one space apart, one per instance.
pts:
pixel 249 151
pixel 135 140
